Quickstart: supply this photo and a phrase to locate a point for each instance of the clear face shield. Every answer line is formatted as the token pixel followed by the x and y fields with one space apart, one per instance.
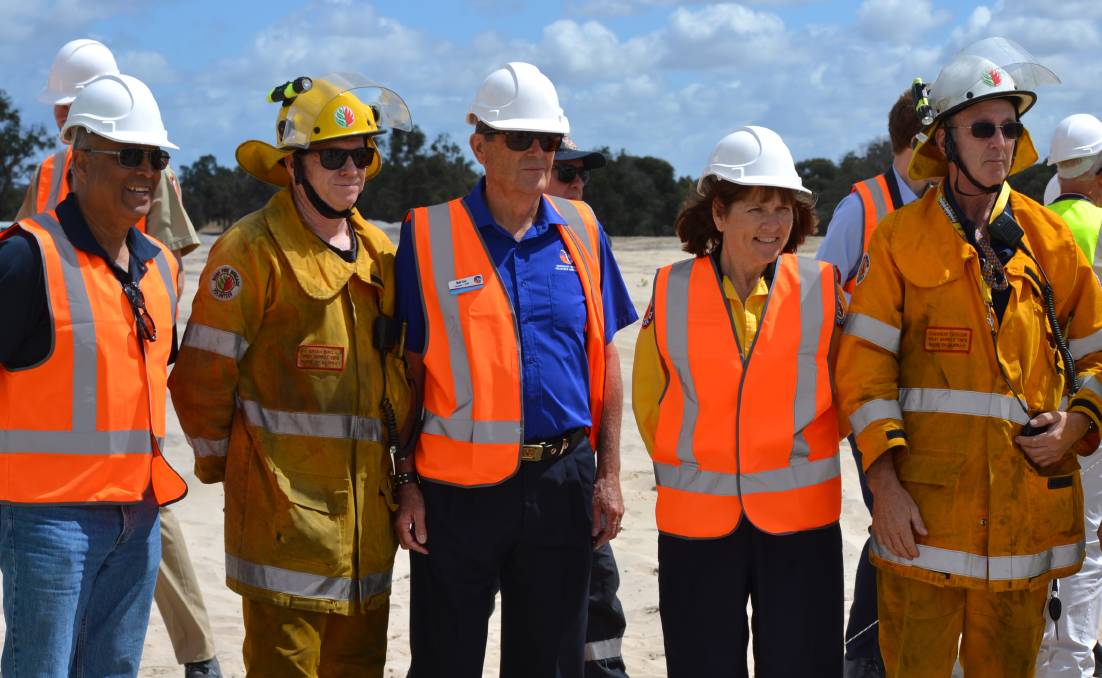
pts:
pixel 391 111
pixel 1026 72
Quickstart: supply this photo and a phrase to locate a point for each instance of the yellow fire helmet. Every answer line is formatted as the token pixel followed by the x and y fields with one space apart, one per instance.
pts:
pixel 993 68
pixel 322 109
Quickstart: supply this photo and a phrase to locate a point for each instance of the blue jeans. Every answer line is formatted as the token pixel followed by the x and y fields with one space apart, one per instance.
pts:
pixel 78 585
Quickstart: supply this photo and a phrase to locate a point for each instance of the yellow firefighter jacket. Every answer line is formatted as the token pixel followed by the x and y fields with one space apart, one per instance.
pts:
pixel 917 375
pixel 278 388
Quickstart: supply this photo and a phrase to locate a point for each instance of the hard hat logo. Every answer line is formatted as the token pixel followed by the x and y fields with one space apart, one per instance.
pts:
pixel 992 78
pixel 344 117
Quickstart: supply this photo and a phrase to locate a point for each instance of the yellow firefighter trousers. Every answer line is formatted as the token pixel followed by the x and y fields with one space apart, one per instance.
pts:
pixel 286 643
pixel 921 626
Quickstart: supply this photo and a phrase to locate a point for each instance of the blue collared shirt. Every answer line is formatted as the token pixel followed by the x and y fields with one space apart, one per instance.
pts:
pixel 844 242
pixel 549 306
pixel 26 338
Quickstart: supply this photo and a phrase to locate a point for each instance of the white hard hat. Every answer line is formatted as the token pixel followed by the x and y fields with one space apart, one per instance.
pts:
pixel 753 156
pixel 77 63
pixel 1076 144
pixel 968 79
pixel 519 97
pixel 1052 190
pixel 120 108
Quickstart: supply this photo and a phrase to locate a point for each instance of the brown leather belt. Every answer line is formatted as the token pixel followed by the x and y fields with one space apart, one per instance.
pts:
pixel 551 449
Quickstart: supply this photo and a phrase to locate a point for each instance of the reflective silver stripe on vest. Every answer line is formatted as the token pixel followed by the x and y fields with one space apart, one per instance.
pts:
pixel 206 447
pixel 575 223
pixel 166 277
pixel 75 442
pixel 874 410
pixel 807 364
pixel 603 649
pixel 873 331
pixel 879 200
pixel 57 178
pixel 1085 346
pixel 85 357
pixel 677 344
pixel 971 403
pixel 994 568
pixel 690 478
pixel 465 430
pixel 314 424
pixel 305 584
pixel 213 340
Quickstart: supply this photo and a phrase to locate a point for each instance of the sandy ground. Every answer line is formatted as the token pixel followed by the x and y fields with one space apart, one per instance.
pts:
pixel 636 548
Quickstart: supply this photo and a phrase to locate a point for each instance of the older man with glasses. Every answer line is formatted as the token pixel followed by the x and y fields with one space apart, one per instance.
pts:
pixel 511 299
pixel 82 392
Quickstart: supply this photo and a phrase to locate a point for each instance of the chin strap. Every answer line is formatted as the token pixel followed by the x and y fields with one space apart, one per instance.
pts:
pixel 320 205
pixel 952 156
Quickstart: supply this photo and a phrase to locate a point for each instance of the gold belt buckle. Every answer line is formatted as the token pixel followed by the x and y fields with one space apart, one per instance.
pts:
pixel 531 452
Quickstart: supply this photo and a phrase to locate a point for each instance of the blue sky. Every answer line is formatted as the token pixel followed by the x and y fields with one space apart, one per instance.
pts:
pixel 653 77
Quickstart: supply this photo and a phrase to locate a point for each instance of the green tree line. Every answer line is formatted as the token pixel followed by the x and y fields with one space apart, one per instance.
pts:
pixel 632 195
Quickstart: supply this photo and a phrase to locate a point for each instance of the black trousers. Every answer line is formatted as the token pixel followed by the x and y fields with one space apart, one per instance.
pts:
pixel 531 533
pixel 794 583
pixel 863 630
pixel 604 633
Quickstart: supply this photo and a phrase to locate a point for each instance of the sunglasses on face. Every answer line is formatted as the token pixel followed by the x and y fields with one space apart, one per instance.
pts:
pixel 567 173
pixel 147 330
pixel 334 158
pixel 133 157
pixel 522 141
pixel 986 130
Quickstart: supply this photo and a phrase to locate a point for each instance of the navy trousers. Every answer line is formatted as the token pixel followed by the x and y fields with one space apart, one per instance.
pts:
pixel 531 533
pixel 604 633
pixel 863 630
pixel 793 582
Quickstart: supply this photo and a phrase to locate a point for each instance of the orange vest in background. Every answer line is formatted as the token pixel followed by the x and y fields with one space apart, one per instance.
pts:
pixel 53 185
pixel 473 415
pixel 876 199
pixel 86 424
pixel 759 437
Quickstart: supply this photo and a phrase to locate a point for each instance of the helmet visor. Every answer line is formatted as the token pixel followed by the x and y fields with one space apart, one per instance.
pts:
pixel 390 109
pixel 1027 72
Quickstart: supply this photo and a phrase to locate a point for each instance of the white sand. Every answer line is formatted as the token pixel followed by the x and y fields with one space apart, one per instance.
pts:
pixel 200 514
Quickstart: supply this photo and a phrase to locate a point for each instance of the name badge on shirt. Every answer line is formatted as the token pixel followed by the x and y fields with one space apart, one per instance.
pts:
pixel 468 284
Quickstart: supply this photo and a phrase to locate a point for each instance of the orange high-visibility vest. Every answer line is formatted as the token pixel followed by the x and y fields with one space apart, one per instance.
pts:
pixel 758 437
pixel 53 184
pixel 876 199
pixel 473 417
pixel 87 423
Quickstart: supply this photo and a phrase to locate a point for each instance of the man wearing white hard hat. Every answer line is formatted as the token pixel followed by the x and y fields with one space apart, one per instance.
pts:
pixel 178 595
pixel 969 371
pixel 77 63
pixel 90 303
pixel 511 299
pixel 1069 642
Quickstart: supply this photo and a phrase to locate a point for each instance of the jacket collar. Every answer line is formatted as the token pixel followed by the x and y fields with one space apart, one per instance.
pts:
pixel 319 271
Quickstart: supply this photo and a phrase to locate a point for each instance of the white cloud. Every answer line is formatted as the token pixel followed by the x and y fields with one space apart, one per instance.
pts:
pixel 894 20
pixel 148 66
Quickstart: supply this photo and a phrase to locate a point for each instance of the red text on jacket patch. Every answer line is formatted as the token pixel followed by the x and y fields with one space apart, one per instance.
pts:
pixel 948 340
pixel 320 357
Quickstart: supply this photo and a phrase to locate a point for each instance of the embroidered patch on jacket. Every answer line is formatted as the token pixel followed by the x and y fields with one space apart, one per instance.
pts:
pixel 648 317
pixel 948 340
pixel 863 269
pixel 320 357
pixel 225 283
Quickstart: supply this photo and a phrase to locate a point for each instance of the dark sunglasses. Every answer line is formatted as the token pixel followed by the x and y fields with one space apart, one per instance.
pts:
pixel 334 158
pixel 522 141
pixel 147 330
pixel 133 157
pixel 986 130
pixel 567 173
